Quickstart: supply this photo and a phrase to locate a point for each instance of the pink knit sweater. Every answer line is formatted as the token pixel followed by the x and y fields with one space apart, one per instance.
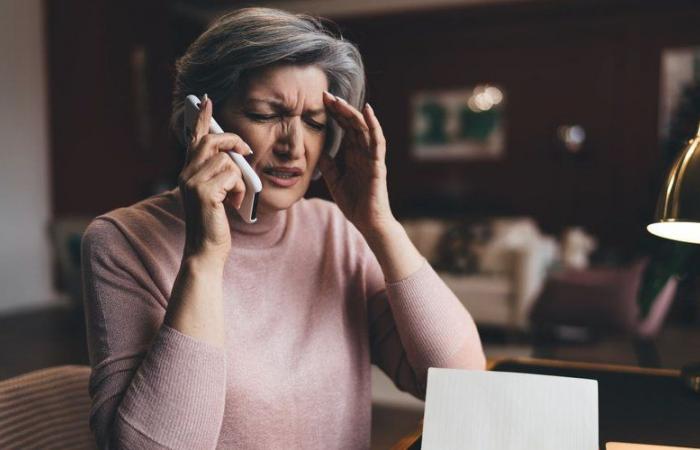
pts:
pixel 307 311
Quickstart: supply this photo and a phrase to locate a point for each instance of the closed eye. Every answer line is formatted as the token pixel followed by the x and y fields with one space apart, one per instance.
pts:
pixel 316 126
pixel 261 117
pixel 269 117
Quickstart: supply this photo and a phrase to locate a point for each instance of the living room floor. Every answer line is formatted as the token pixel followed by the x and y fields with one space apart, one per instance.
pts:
pixel 35 340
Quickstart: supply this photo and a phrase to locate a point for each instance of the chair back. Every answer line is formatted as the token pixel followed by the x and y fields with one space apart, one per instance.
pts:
pixel 47 408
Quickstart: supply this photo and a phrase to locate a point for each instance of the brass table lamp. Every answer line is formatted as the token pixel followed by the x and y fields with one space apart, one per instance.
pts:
pixel 678 210
pixel 678 216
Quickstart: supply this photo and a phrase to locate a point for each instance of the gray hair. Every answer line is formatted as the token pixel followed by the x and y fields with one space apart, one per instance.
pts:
pixel 249 39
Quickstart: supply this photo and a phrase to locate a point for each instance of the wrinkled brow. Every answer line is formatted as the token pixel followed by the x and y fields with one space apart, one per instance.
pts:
pixel 280 106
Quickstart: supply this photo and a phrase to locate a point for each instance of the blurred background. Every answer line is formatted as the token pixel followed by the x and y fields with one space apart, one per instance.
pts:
pixel 528 141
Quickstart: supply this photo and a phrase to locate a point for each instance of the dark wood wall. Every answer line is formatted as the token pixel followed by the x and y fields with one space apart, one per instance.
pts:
pixel 589 63
pixel 594 63
pixel 110 69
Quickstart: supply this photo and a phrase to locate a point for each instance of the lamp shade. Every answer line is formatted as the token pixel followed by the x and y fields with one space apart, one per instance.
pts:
pixel 678 210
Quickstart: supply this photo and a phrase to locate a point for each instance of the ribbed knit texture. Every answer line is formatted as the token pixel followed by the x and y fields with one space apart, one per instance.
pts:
pixel 306 308
pixel 44 409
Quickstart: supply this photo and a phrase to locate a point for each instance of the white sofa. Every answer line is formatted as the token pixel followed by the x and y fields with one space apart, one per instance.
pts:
pixel 512 267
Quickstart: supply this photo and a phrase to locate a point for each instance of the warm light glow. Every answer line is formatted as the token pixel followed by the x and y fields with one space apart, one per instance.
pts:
pixel 495 94
pixel 677 231
pixel 484 97
pixel 472 104
pixel 483 101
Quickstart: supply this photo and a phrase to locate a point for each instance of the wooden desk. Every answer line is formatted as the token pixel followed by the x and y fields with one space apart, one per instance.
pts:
pixel 650 406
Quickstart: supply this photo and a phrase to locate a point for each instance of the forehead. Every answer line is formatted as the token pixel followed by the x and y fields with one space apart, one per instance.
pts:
pixel 289 85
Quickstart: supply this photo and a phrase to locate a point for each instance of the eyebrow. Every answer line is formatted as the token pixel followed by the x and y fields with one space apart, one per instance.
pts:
pixel 282 107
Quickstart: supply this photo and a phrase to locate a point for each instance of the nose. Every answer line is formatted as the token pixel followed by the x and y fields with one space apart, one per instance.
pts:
pixel 290 142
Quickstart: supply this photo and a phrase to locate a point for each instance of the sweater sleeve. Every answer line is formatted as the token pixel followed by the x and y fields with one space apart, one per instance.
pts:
pixel 151 386
pixel 417 323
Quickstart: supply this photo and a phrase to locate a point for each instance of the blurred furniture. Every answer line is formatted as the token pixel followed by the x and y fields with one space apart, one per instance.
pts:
pixel 604 298
pixel 650 406
pixel 47 337
pixel 46 408
pixel 576 248
pixel 511 267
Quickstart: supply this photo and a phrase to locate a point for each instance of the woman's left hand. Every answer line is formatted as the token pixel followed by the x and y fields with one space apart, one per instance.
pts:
pixel 356 178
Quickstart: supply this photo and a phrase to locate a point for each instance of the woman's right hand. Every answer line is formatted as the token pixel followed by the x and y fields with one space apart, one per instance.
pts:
pixel 210 181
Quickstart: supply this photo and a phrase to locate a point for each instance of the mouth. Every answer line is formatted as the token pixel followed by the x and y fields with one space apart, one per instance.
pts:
pixel 283 176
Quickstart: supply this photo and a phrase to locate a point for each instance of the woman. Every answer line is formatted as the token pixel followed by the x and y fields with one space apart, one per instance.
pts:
pixel 208 332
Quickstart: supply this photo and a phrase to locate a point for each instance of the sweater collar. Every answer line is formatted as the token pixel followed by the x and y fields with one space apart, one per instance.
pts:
pixel 266 232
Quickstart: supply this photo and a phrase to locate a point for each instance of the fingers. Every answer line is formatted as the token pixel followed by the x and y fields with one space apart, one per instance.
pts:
pixel 232 184
pixel 212 144
pixel 365 126
pixel 218 178
pixel 349 118
pixel 212 167
pixel 376 134
pixel 201 132
pixel 207 157
pixel 201 126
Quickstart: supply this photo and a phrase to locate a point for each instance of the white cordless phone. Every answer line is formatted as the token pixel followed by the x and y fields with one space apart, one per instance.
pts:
pixel 253 185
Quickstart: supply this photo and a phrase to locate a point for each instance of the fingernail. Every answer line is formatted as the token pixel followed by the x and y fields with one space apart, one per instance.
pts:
pixel 342 100
pixel 368 106
pixel 333 97
pixel 205 98
pixel 250 150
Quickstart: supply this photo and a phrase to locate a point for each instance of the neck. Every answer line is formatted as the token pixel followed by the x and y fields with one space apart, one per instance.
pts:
pixel 265 232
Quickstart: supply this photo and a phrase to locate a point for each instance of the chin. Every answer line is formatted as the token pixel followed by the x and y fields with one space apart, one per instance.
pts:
pixel 271 201
pixel 274 198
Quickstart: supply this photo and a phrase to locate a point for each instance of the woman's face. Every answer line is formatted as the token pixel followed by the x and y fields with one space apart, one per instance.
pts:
pixel 282 117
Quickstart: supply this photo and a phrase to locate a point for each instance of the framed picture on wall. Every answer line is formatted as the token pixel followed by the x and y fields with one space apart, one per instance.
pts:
pixel 459 124
pixel 679 99
pixel 680 85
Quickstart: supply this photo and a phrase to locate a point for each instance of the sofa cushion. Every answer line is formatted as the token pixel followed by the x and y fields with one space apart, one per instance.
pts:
pixel 602 298
pixel 507 234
